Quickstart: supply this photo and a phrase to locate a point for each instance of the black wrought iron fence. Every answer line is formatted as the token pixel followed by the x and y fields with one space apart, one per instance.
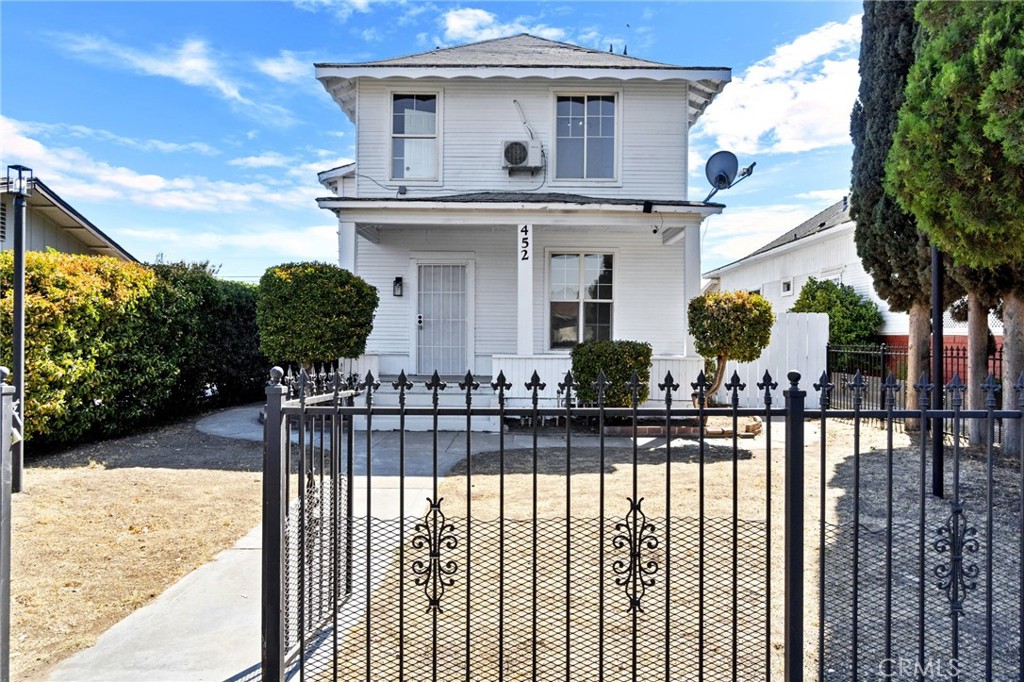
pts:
pixel 875 362
pixel 536 554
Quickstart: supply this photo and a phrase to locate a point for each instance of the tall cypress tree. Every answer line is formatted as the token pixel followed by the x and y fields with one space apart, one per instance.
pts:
pixel 957 160
pixel 893 251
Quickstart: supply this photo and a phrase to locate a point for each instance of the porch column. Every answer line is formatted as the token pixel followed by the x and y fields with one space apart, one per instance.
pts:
pixel 524 286
pixel 691 278
pixel 347 245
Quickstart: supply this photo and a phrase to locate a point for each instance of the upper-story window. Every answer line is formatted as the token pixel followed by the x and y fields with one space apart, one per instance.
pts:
pixel 585 137
pixel 414 137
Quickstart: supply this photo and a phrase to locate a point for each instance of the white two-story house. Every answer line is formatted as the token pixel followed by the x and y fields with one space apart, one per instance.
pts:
pixel 513 197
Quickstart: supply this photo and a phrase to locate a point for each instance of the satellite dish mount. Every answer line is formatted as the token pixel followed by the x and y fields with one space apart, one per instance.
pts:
pixel 723 171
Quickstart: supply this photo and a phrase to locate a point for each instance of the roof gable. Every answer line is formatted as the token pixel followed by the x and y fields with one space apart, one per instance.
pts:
pixel 521 56
pixel 521 51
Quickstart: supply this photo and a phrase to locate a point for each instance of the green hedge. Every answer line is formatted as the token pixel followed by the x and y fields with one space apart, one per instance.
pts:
pixel 111 346
pixel 212 339
pixel 618 359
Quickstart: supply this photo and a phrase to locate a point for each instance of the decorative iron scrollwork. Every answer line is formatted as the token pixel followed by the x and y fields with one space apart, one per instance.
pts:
pixel 636 534
pixel 434 533
pixel 956 578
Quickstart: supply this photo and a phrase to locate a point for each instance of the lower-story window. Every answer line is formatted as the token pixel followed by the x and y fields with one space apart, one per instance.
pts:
pixel 580 298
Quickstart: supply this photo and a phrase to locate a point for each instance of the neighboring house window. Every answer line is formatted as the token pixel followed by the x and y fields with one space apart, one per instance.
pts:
pixel 580 298
pixel 585 137
pixel 787 287
pixel 414 137
pixel 755 291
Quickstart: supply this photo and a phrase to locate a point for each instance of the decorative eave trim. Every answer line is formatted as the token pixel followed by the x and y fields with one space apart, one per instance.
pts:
pixel 704 83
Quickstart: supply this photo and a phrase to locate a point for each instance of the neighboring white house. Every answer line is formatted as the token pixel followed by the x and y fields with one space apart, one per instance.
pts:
pixel 52 223
pixel 515 196
pixel 822 247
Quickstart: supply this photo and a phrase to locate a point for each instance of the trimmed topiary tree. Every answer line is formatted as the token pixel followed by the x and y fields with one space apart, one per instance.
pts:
pixel 618 360
pixel 309 312
pixel 730 325
pixel 852 319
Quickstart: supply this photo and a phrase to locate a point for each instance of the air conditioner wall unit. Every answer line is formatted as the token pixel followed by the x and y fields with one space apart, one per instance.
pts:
pixel 525 154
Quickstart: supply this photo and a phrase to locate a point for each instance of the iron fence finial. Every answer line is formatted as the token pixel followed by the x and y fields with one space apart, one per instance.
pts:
pixel 924 389
pixel 767 384
pixel 991 387
pixel 955 390
pixel 434 385
pixel 601 385
pixel 501 384
pixel 669 385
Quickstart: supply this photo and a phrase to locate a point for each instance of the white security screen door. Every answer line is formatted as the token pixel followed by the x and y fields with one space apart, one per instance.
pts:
pixel 442 322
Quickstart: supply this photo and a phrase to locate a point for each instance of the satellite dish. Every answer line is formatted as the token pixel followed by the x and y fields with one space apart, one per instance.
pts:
pixel 721 169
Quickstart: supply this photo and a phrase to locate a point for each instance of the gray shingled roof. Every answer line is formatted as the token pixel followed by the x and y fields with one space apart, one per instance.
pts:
pixel 522 50
pixel 836 214
pixel 527 198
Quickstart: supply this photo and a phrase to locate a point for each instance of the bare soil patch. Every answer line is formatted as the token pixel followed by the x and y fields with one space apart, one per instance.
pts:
pixel 101 529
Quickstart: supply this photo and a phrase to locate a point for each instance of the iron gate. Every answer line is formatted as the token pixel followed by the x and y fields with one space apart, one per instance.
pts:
pixel 544 553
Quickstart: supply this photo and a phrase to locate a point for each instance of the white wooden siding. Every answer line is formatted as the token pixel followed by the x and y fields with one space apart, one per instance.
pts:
pixel 647 281
pixel 477 115
pixel 41 234
pixel 833 254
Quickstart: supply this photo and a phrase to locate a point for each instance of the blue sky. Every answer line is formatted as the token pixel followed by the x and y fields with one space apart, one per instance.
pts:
pixel 195 129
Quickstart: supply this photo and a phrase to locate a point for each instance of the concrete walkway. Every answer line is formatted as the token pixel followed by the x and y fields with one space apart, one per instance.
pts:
pixel 207 625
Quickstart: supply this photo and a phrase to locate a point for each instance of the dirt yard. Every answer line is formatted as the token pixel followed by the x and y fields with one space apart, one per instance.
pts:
pixel 101 529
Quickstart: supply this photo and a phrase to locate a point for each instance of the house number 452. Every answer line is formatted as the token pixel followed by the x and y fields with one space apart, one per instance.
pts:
pixel 524 243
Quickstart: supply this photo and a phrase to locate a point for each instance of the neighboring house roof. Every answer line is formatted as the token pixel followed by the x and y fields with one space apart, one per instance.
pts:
pixel 520 56
pixel 836 214
pixel 44 200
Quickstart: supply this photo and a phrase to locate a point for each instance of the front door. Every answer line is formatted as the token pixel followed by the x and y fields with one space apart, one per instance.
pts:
pixel 442 319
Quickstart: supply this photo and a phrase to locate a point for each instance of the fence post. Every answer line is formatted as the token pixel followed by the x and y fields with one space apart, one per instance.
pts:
pixel 794 525
pixel 6 458
pixel 275 481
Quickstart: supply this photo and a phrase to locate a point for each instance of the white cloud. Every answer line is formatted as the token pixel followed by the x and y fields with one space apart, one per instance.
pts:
pixel 467 25
pixel 830 196
pixel 798 99
pixel 84 132
pixel 372 35
pixel 342 9
pixel 740 231
pixel 306 243
pixel 265 160
pixel 82 177
pixel 192 64
pixel 286 67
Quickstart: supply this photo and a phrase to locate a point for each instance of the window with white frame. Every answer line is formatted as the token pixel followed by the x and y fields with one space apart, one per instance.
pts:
pixel 413 137
pixel 585 137
pixel 580 298
pixel 787 286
